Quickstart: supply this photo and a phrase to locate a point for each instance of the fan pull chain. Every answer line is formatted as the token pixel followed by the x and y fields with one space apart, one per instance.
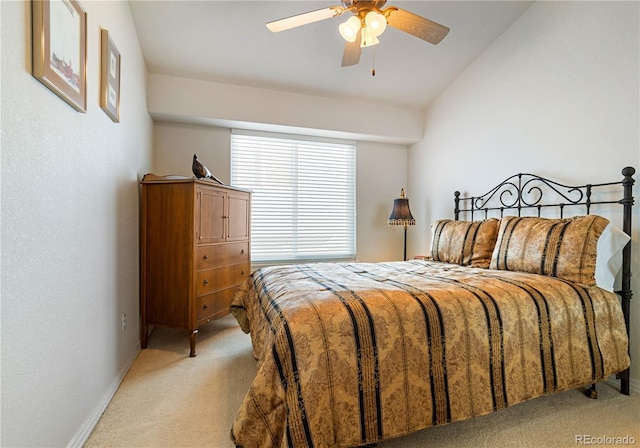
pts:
pixel 373 62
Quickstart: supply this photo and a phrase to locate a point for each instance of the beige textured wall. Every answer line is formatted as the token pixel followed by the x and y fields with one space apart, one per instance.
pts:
pixel 69 234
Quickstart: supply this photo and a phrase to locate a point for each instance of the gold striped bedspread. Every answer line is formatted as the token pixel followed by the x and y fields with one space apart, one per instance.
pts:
pixel 354 353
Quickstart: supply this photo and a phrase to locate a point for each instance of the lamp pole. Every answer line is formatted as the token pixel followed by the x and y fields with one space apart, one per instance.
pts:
pixel 405 242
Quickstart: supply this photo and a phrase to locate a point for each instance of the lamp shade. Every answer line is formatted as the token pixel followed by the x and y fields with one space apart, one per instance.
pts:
pixel 349 29
pixel 376 22
pixel 369 38
pixel 401 214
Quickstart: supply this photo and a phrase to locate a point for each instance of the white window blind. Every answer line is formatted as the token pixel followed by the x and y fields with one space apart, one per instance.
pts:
pixel 303 202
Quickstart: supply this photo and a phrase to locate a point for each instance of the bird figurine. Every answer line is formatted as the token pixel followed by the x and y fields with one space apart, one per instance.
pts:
pixel 201 171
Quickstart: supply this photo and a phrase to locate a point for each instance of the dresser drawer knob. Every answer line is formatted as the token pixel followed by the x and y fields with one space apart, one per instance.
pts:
pixel 205 306
pixel 242 272
pixel 206 282
pixel 205 257
pixel 241 251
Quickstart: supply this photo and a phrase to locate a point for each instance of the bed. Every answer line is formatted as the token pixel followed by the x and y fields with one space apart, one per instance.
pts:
pixel 507 306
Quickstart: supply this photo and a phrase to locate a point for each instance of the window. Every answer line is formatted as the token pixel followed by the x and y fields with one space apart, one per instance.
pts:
pixel 303 202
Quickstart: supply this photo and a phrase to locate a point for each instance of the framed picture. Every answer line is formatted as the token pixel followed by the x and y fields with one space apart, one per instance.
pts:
pixel 110 78
pixel 59 29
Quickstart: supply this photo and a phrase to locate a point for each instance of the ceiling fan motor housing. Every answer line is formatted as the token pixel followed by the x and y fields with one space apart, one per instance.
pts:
pixel 364 5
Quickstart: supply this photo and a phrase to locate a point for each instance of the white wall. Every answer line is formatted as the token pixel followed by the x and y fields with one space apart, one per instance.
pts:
pixel 556 95
pixel 176 143
pixel 381 171
pixel 69 234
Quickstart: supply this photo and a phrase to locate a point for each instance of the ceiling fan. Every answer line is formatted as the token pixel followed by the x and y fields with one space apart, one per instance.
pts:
pixel 368 22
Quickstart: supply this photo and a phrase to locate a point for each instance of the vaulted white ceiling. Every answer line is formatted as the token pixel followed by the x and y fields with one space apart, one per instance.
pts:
pixel 228 42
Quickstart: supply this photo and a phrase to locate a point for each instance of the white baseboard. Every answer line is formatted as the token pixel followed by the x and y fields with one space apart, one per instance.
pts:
pixel 634 385
pixel 84 431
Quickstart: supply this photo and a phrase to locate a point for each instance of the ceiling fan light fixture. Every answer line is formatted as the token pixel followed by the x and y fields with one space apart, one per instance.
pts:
pixel 349 29
pixel 368 22
pixel 376 22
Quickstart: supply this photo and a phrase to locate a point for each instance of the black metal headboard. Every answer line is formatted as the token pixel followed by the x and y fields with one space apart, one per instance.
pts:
pixel 526 192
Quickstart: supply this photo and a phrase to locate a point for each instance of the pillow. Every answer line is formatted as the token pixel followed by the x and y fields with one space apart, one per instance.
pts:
pixel 609 256
pixel 563 248
pixel 467 243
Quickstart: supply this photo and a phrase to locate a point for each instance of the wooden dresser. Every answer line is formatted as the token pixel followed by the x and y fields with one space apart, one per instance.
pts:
pixel 195 252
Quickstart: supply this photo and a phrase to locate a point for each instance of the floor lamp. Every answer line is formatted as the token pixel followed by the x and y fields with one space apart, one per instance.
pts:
pixel 401 216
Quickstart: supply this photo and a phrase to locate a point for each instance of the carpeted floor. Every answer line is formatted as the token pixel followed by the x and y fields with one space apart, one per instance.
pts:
pixel 170 400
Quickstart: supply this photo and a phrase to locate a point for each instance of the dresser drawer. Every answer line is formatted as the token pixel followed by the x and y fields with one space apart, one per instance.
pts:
pixel 215 305
pixel 216 255
pixel 220 278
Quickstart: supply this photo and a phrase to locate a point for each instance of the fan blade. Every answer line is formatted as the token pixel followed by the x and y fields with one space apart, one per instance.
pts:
pixel 304 19
pixel 352 50
pixel 415 25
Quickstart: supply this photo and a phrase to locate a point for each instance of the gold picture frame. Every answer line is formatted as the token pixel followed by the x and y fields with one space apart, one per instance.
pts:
pixel 59 32
pixel 110 78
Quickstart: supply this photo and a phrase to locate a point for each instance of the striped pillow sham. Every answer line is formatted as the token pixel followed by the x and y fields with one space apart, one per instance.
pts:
pixel 563 248
pixel 467 243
